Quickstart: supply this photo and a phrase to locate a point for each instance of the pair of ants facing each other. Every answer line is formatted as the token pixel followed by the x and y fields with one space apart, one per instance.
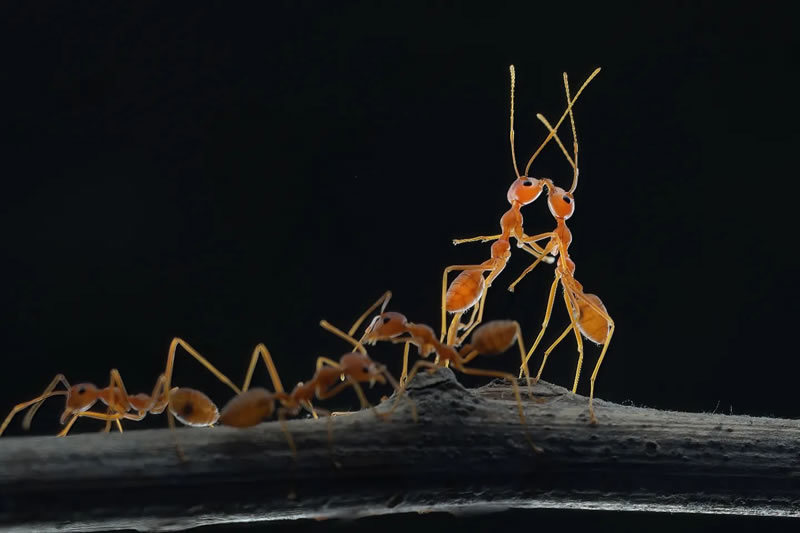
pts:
pixel 588 316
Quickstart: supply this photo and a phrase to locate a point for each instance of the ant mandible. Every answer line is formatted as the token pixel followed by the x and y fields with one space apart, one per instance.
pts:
pixel 469 287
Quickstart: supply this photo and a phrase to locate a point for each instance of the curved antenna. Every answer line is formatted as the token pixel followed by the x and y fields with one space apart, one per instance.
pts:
pixel 569 107
pixel 558 141
pixel 574 138
pixel 511 131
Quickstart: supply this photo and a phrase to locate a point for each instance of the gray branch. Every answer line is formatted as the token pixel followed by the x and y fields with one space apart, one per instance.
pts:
pixel 468 451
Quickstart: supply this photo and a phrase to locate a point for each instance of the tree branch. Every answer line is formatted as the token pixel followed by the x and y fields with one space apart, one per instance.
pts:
pixel 468 450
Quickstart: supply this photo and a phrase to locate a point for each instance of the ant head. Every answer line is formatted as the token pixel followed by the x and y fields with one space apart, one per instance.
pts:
pixel 80 398
pixel 385 326
pixel 524 190
pixel 361 368
pixel 560 202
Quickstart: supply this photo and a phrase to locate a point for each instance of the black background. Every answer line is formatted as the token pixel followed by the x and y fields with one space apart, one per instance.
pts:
pixel 232 175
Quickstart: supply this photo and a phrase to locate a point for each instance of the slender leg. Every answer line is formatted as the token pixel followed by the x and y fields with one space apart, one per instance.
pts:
pixel 550 349
pixel 261 350
pixel 571 307
pixel 342 335
pixel 287 434
pixel 322 361
pixel 63 432
pixel 517 396
pixel 548 311
pixel 453 329
pixel 19 407
pixel 549 247
pixel 482 238
pixel 37 402
pixel 405 363
pixel 177 341
pixel 384 300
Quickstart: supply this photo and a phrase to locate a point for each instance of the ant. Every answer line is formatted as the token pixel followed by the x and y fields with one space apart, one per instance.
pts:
pixel 469 288
pixel 190 406
pixel 588 315
pixel 252 406
pixel 491 338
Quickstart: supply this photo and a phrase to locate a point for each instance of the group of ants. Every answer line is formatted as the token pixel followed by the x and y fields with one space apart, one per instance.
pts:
pixel 250 406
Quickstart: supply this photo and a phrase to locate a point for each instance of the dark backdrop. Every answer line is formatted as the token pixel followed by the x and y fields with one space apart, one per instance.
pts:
pixel 232 175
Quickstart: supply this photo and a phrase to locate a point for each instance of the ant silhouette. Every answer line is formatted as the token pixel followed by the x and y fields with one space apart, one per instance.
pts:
pixel 469 288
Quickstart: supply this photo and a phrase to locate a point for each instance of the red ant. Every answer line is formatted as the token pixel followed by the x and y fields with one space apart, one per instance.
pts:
pixel 191 407
pixel 588 315
pixel 252 406
pixel 470 286
pixel 491 338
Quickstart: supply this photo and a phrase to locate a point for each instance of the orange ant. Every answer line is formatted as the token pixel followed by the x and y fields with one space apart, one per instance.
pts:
pixel 252 406
pixel 491 338
pixel 588 315
pixel 469 288
pixel 190 406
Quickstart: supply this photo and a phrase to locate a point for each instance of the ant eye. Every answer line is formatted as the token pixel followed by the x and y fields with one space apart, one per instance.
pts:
pixel 82 390
pixel 365 370
pixel 527 183
pixel 567 199
pixel 386 319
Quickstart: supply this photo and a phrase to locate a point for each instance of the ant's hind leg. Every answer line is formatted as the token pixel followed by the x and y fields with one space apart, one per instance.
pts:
pixel 261 350
pixel 548 311
pixel 177 341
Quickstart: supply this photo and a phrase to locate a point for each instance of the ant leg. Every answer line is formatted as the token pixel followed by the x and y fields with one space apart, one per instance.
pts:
pixel 342 335
pixel 531 266
pixel 37 402
pixel 19 407
pixel 455 322
pixel 452 268
pixel 550 349
pixel 310 408
pixel 287 434
pixel 548 311
pixel 382 300
pixel 482 238
pixel 572 309
pixel 177 341
pixel 322 361
pixel 404 375
pixel 63 432
pixel 261 349
pixel 517 396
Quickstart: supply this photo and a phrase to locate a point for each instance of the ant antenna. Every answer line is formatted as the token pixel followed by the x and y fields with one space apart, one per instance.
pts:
pixel 558 141
pixel 511 131
pixel 569 108
pixel 574 137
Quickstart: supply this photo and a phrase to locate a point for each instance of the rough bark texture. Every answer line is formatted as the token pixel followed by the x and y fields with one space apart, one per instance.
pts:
pixel 467 452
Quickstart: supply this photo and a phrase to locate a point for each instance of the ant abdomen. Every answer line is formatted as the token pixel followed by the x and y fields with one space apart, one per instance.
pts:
pixel 464 291
pixel 248 408
pixel 592 324
pixel 495 337
pixel 192 408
